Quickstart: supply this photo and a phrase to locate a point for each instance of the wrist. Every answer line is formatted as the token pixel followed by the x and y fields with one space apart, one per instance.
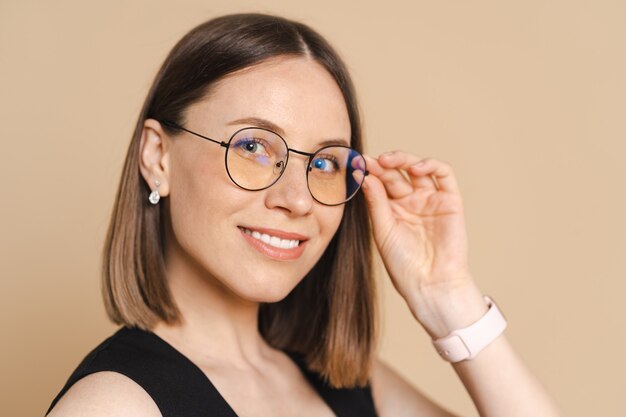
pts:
pixel 445 308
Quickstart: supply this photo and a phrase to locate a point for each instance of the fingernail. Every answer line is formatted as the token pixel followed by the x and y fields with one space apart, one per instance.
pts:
pixel 386 154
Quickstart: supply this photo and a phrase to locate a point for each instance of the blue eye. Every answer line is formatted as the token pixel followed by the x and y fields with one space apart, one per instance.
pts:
pixel 319 163
pixel 326 164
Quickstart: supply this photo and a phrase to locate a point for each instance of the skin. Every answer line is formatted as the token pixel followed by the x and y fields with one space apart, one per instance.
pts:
pixel 418 226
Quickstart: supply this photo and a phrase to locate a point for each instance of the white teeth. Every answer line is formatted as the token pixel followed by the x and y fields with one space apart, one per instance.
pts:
pixel 272 240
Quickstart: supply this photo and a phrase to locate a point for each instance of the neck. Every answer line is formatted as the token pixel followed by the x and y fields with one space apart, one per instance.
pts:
pixel 215 324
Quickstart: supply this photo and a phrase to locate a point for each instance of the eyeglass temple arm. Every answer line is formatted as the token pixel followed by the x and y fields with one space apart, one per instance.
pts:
pixel 177 126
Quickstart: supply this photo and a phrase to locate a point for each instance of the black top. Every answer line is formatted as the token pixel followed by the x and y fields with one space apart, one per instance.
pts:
pixel 179 388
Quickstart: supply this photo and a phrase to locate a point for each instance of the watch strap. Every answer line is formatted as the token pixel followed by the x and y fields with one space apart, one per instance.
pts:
pixel 466 343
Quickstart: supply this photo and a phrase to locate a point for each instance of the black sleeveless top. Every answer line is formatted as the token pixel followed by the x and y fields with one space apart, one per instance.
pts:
pixel 179 388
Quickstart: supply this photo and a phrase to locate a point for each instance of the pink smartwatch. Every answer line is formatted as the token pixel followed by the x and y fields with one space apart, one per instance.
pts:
pixel 466 343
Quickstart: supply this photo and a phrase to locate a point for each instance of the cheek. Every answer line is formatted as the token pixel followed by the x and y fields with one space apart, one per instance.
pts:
pixel 193 206
pixel 330 218
pixel 199 176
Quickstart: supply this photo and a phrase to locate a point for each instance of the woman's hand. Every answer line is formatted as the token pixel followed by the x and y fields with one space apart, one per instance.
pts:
pixel 419 229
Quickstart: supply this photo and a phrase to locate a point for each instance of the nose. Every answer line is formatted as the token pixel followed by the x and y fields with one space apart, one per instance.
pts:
pixel 291 192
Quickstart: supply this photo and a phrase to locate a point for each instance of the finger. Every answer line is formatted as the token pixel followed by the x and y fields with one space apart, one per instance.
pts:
pixel 441 171
pixel 396 184
pixel 404 161
pixel 398 159
pixel 377 201
pixel 357 164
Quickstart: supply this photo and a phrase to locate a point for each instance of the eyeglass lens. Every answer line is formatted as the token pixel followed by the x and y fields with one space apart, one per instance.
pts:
pixel 256 158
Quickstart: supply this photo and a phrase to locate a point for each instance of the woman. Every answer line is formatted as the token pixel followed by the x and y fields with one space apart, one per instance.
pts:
pixel 238 255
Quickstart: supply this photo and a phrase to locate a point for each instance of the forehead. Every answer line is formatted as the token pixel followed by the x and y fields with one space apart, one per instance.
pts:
pixel 298 95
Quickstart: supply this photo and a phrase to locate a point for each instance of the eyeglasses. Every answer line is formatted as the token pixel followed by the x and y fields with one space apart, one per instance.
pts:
pixel 256 158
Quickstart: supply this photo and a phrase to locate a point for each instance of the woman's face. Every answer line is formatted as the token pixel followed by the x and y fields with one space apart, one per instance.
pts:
pixel 209 212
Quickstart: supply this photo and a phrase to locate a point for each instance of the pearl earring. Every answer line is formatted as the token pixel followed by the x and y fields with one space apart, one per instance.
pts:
pixel 154 195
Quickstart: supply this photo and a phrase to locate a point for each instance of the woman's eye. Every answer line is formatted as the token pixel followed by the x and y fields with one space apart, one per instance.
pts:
pixel 252 146
pixel 325 164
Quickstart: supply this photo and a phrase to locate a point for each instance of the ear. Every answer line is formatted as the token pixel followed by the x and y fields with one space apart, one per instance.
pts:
pixel 154 156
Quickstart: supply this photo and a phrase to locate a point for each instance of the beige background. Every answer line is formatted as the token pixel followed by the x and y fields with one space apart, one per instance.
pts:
pixel 526 100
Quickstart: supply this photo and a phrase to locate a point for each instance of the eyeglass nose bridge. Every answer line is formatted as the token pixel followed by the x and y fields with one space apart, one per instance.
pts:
pixel 280 166
pixel 308 154
pixel 307 168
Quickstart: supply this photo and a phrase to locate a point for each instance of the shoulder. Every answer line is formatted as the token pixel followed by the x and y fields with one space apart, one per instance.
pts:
pixel 395 396
pixel 105 394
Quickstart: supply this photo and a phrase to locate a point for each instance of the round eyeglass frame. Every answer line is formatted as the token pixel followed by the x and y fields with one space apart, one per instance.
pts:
pixel 308 167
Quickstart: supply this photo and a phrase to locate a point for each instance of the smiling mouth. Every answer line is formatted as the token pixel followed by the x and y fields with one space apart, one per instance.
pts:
pixel 274 241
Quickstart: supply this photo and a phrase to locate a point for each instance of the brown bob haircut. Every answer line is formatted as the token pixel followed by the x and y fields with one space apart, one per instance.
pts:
pixel 329 317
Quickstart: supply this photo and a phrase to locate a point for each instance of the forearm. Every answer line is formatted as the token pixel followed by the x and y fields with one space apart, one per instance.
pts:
pixel 498 381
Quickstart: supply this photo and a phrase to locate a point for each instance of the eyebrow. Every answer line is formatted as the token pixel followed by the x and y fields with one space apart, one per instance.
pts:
pixel 266 124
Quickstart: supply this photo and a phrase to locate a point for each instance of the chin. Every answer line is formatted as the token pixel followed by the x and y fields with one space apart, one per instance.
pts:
pixel 265 291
